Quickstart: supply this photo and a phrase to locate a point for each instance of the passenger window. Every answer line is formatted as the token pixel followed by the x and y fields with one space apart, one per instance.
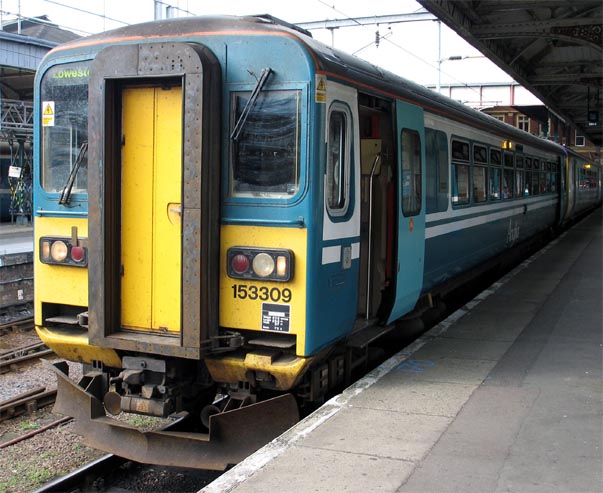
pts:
pixel 536 177
pixel 550 167
pixel 480 173
pixel 554 177
pixel 528 178
pixel 494 177
pixel 460 173
pixel 436 156
pixel 519 184
pixel 520 190
pixel 338 162
pixel 411 172
pixel 508 176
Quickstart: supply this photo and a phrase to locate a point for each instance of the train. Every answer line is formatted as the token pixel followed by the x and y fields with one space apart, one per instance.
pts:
pixel 229 212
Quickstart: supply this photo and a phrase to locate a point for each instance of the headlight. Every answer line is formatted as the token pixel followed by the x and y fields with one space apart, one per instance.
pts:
pixel 58 251
pixel 263 265
pixel 259 263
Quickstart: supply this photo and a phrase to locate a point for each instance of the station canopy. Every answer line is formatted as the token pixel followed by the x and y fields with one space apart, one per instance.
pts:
pixel 551 47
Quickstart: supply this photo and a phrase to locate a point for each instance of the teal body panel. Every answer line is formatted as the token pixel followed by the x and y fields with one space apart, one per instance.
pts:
pixel 411 230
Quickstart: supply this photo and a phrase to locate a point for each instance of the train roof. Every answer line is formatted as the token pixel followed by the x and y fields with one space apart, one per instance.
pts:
pixel 335 63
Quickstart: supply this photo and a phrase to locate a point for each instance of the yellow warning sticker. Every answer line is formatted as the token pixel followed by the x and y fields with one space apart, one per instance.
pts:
pixel 321 88
pixel 48 113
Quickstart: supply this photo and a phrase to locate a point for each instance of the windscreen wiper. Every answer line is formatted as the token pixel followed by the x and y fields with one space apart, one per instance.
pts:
pixel 66 193
pixel 250 103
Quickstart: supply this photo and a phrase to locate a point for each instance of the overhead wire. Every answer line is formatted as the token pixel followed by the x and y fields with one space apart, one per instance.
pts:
pixel 103 16
pixel 390 41
pixel 35 20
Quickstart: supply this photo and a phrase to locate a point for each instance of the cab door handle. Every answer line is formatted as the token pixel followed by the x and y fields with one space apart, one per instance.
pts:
pixel 174 212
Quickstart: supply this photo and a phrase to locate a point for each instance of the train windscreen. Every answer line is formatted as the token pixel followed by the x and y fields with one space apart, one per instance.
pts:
pixel 265 156
pixel 64 118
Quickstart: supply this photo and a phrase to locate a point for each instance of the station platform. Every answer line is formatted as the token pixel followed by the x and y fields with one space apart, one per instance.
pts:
pixel 503 396
pixel 15 238
pixel 16 272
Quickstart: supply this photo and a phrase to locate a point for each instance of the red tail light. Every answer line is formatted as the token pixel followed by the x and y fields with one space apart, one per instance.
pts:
pixel 240 264
pixel 78 253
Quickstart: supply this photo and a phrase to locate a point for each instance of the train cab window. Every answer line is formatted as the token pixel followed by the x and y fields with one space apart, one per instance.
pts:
pixel 494 177
pixel 436 156
pixel 460 173
pixel 64 108
pixel 480 173
pixel 508 175
pixel 265 156
pixel 338 161
pixel 411 172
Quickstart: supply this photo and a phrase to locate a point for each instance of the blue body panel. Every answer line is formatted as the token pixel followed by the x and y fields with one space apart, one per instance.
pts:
pixel 334 295
pixel 462 239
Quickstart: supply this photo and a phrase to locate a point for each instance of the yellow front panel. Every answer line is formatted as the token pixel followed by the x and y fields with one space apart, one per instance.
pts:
pixel 65 285
pixel 58 283
pixel 151 197
pixel 241 300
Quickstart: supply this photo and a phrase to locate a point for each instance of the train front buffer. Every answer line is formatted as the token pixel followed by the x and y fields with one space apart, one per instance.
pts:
pixel 263 298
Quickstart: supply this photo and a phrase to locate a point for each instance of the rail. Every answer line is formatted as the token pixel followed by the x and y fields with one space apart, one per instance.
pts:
pixel 11 359
pixel 25 324
pixel 26 403
pixel 76 480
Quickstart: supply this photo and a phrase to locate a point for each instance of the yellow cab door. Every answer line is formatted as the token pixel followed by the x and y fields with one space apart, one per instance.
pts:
pixel 151 196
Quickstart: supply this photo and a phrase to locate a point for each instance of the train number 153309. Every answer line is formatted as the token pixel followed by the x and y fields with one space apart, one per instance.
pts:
pixel 263 293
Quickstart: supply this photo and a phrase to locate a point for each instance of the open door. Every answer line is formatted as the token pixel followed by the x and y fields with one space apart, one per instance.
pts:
pixel 410 143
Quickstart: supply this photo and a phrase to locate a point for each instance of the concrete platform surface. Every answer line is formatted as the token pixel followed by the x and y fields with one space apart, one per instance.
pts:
pixel 503 396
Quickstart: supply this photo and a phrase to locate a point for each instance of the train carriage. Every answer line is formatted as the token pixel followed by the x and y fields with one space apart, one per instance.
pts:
pixel 225 206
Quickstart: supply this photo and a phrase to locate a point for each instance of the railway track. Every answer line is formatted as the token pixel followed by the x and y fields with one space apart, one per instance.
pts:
pixel 10 360
pixel 113 473
pixel 26 403
pixel 81 479
pixel 23 324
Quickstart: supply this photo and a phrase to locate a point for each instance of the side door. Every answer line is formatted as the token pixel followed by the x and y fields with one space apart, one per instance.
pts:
pixel 410 143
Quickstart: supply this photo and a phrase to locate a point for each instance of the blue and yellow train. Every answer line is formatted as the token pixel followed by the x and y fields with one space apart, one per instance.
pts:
pixel 225 207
